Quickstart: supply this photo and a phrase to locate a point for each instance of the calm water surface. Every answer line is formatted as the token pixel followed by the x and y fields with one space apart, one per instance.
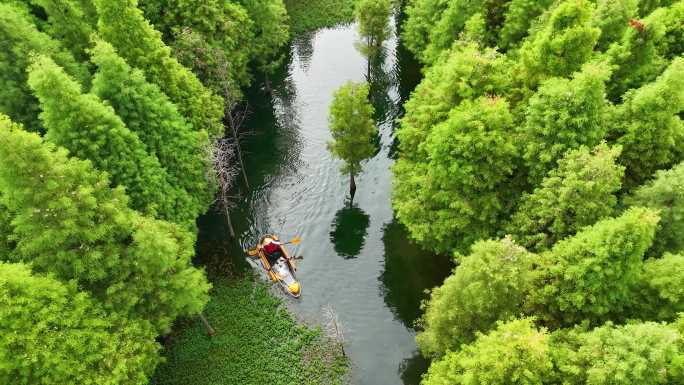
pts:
pixel 357 258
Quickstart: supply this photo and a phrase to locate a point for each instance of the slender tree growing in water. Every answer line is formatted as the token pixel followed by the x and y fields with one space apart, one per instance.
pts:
pixel 374 28
pixel 352 128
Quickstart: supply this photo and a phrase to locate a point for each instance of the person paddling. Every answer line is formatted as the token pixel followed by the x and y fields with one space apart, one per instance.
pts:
pixel 272 250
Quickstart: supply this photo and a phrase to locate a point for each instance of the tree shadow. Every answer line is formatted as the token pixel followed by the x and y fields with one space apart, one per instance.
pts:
pixel 412 369
pixel 349 231
pixel 409 272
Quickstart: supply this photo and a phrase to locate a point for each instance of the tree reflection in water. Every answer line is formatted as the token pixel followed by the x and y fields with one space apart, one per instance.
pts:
pixel 349 231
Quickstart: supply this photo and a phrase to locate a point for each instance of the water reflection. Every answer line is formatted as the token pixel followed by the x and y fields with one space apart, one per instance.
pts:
pixel 304 48
pixel 349 231
pixel 411 369
pixel 409 271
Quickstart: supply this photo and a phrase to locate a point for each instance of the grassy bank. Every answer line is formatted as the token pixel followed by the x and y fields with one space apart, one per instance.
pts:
pixel 310 15
pixel 257 342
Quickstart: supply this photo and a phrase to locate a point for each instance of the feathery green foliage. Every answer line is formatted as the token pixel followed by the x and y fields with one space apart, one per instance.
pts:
pixel 644 353
pixel 123 25
pixel 452 20
pixel 6 242
pixel 422 16
pixel 516 353
pixel 648 127
pixel 19 39
pixel 563 45
pixel 466 74
pixel 71 22
pixel 589 277
pixel 52 334
pixel 373 18
pixel 90 129
pixel 581 191
pixel 270 28
pixel 69 222
pixel 660 291
pixel 520 15
pixel 564 115
pixel 147 112
pixel 612 18
pixel 459 194
pixel 489 285
pixel 352 127
pixel 666 194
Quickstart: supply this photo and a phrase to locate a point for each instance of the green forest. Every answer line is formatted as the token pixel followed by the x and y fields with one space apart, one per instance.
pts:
pixel 542 152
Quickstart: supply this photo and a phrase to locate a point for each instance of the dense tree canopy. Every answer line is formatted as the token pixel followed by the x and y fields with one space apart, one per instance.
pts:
pixel 90 129
pixel 578 193
pixel 50 333
pixel 490 284
pixel 123 25
pixel 147 112
pixel 666 194
pixel 515 353
pixel 20 39
pixel 69 222
pixel 458 194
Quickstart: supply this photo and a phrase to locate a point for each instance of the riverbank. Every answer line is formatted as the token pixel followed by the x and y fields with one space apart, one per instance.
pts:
pixel 257 342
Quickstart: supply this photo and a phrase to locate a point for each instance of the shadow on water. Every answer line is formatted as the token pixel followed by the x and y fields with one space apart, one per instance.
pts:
pixel 409 272
pixel 412 369
pixel 349 231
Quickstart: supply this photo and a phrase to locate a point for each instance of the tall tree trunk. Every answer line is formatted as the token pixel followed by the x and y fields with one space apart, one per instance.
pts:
pixel 207 325
pixel 236 139
pixel 352 187
pixel 230 222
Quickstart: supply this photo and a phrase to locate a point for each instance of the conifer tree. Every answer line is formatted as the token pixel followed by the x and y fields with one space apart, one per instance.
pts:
pixel 422 15
pixel 352 129
pixel 665 193
pixel 462 189
pixel 640 353
pixel 515 353
pixel 271 33
pixel 579 192
pixel 225 26
pixel 6 242
pixel 589 277
pixel 19 38
pixel 122 24
pixel 563 115
pixel 648 127
pixel 69 222
pixel 612 18
pixel 672 44
pixel 520 14
pixel 467 73
pixel 489 285
pixel 635 58
pixel 563 44
pixel 88 128
pixel 373 18
pixel 52 334
pixel 149 113
pixel 71 22
pixel 449 26
pixel 659 294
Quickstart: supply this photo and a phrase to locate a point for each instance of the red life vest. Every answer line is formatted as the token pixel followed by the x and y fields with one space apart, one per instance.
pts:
pixel 271 247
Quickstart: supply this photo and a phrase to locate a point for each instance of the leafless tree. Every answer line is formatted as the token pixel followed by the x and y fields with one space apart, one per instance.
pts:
pixel 223 158
pixel 333 328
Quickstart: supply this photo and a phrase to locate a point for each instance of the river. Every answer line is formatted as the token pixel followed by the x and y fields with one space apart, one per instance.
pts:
pixel 357 258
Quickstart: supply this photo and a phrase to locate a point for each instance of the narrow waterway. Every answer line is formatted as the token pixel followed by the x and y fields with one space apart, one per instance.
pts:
pixel 357 258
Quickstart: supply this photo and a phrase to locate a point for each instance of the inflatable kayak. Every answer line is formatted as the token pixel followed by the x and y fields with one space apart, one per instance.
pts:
pixel 279 266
